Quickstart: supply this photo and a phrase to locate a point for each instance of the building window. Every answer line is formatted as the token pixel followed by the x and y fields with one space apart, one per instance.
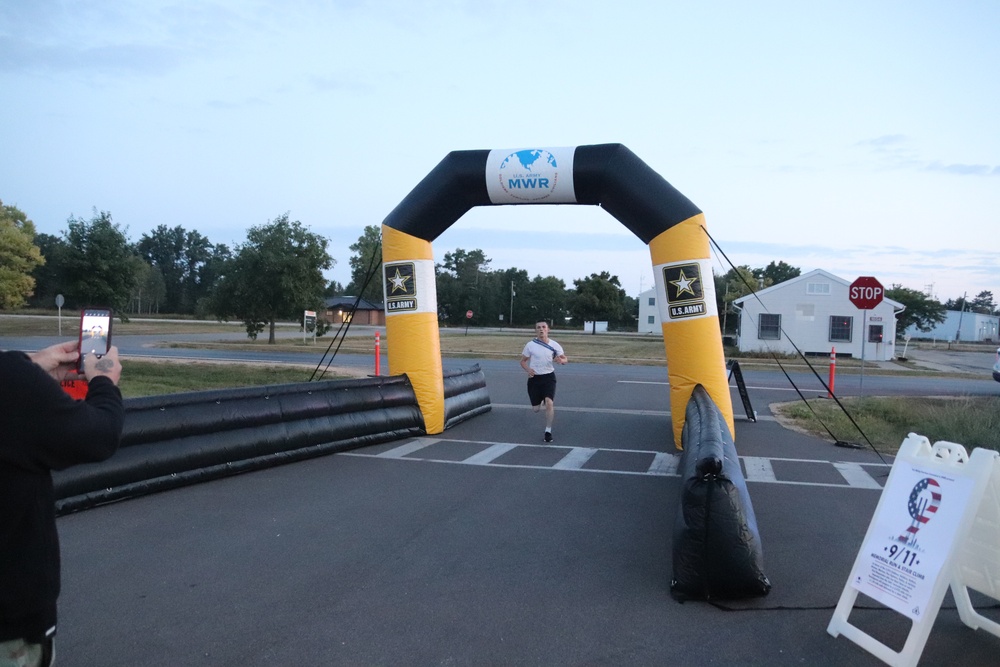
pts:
pixel 874 333
pixel 651 319
pixel 818 288
pixel 841 327
pixel 769 327
pixel 652 300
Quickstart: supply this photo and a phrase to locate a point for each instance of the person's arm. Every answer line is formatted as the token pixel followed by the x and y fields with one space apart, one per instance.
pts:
pixel 560 355
pixel 50 429
pixel 525 365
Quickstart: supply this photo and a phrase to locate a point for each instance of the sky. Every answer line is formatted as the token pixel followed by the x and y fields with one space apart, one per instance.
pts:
pixel 858 137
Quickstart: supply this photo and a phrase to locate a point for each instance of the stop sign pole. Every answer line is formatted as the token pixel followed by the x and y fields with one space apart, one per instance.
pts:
pixel 865 293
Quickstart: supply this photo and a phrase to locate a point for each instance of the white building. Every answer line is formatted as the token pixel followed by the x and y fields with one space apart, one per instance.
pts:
pixel 961 326
pixel 813 311
pixel 649 314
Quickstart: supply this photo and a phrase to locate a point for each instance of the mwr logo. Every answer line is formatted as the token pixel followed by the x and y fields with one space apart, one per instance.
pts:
pixel 400 287
pixel 685 291
pixel 529 175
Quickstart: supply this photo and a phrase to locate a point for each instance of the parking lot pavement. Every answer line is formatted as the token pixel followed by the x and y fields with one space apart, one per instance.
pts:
pixel 478 546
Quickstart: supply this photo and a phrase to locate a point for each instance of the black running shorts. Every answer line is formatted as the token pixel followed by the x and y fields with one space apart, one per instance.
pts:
pixel 541 387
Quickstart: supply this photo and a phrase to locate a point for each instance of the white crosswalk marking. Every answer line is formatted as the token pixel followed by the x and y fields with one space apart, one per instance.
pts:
pixel 407 448
pixel 489 454
pixel 758 469
pixel 664 464
pixel 855 475
pixel 575 459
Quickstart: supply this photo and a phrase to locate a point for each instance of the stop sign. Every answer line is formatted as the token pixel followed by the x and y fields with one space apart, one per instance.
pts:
pixel 866 292
pixel 468 314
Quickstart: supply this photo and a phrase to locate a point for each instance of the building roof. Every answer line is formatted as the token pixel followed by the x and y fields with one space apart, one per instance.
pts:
pixel 347 302
pixel 812 275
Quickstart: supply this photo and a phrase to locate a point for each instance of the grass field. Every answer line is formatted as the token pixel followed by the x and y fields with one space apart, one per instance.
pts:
pixel 971 421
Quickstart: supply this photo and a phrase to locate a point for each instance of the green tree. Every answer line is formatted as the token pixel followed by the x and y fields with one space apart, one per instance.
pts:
pixel 276 274
pixel 49 278
pixel 543 298
pixel 367 260
pixel 921 310
pixel 597 297
pixel 334 289
pixel 459 279
pixel 19 257
pixel 150 288
pixel 98 267
pixel 775 273
pixel 983 303
pixel 182 258
pixel 732 285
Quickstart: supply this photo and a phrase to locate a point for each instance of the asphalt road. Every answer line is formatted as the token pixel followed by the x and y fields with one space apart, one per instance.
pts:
pixel 485 546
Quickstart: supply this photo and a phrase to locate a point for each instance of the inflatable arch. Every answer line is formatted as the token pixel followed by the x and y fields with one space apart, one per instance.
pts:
pixel 605 175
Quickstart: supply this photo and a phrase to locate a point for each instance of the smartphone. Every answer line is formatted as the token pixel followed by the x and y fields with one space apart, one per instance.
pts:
pixel 95 332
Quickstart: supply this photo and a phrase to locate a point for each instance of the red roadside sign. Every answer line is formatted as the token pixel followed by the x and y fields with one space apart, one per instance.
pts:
pixel 866 292
pixel 468 314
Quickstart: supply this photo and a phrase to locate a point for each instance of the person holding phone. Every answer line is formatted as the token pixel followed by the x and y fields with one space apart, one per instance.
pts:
pixel 44 429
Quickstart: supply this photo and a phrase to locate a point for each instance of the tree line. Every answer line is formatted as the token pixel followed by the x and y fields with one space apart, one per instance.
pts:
pixel 278 272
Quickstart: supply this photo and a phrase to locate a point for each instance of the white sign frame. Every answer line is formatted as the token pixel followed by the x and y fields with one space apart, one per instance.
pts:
pixel 946 554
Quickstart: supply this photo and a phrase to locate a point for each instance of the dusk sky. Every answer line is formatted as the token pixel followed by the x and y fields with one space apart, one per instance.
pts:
pixel 862 138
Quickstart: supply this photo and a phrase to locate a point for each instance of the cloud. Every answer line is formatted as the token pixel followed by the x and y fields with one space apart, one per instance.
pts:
pixel 884 140
pixel 19 55
pixel 964 169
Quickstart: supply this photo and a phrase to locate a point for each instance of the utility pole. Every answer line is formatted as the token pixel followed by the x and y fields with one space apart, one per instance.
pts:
pixel 512 303
pixel 958 334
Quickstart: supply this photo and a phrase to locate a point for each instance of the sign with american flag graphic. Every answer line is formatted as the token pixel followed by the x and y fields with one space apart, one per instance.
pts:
pixel 911 536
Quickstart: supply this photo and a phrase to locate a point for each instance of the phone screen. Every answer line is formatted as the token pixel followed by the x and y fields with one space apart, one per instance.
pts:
pixel 95 332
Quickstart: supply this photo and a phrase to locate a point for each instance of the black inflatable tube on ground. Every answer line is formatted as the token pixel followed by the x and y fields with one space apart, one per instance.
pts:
pixel 717 551
pixel 178 439
pixel 465 395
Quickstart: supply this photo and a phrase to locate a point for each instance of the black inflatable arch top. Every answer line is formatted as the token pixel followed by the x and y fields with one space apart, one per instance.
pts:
pixel 606 175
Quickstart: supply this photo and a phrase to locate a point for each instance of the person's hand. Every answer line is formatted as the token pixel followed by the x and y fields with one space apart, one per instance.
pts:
pixel 58 360
pixel 562 359
pixel 108 366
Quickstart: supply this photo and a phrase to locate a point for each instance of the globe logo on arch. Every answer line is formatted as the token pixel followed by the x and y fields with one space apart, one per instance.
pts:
pixel 529 175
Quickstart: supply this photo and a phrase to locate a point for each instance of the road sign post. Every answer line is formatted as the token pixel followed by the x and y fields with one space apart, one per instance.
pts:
pixel 865 293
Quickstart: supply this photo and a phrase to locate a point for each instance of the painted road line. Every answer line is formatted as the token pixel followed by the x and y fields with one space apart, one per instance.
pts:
pixel 857 476
pixel 758 469
pixel 575 459
pixel 614 411
pixel 732 387
pixel 664 463
pixel 407 448
pixel 489 454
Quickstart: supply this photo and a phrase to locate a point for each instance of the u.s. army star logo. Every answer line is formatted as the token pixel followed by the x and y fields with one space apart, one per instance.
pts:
pixel 685 290
pixel 400 287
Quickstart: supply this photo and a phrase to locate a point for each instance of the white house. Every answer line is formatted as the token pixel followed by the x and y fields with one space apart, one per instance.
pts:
pixel 959 326
pixel 813 311
pixel 649 314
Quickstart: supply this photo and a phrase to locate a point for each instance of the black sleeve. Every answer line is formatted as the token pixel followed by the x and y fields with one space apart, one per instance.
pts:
pixel 45 428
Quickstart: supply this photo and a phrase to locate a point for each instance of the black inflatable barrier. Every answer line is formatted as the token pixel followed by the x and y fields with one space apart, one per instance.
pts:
pixel 177 439
pixel 465 395
pixel 716 547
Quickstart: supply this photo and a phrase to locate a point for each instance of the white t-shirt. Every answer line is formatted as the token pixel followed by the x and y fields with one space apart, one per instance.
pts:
pixel 541 357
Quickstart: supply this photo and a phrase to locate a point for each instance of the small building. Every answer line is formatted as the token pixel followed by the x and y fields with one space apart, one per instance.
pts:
pixel 813 311
pixel 649 314
pixel 338 310
pixel 595 327
pixel 961 326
